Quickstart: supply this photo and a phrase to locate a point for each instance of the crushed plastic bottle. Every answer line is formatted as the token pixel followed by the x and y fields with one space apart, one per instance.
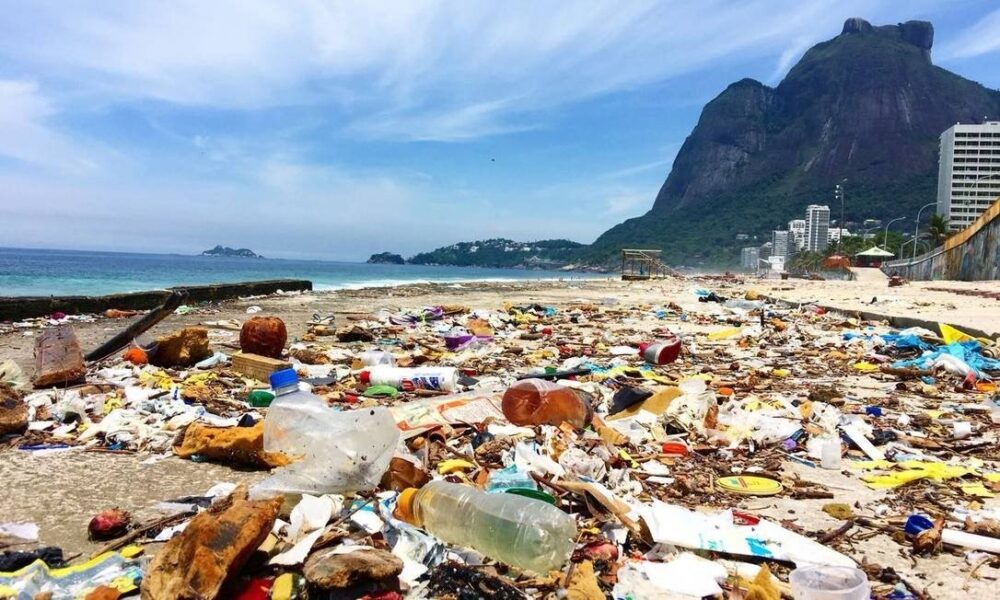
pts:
pixel 521 532
pixel 339 451
pixel 540 402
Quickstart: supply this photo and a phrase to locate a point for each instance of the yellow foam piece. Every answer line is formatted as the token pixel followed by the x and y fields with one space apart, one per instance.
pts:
pixel 724 333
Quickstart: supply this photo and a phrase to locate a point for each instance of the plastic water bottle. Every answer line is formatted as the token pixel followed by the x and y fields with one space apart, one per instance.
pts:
pixel 420 378
pixel 521 532
pixel 339 451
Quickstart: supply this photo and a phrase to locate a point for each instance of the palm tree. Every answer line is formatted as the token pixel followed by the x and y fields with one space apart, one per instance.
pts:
pixel 937 228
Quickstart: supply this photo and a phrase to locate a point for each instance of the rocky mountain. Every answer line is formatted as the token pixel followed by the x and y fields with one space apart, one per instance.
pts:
pixel 386 258
pixel 227 251
pixel 867 106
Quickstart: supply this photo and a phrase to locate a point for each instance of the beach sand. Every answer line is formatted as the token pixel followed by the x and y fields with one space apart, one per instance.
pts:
pixel 61 492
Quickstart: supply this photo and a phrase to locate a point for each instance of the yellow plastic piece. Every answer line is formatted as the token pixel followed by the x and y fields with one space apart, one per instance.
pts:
pixel 453 465
pixel 913 470
pixel 865 366
pixel 628 458
pixel 978 490
pixel 284 587
pixel 724 333
pixel 781 372
pixel 953 334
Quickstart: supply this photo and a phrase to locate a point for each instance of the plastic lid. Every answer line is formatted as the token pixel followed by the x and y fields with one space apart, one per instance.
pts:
pixel 283 378
pixel 404 506
pixel 750 485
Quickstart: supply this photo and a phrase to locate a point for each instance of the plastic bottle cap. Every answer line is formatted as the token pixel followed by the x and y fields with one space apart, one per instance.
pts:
pixel 365 377
pixel 917 523
pixel 283 378
pixel 404 506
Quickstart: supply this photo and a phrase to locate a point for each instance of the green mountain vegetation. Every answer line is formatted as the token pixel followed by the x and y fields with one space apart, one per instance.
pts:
pixel 386 258
pixel 502 253
pixel 221 250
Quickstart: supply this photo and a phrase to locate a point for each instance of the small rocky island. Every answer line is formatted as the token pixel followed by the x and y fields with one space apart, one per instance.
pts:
pixel 386 258
pixel 227 251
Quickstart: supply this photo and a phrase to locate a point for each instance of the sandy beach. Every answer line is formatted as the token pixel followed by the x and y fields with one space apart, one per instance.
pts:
pixel 62 491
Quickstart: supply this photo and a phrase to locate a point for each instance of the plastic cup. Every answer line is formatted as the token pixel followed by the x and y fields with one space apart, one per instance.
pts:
pixel 961 430
pixel 830 453
pixel 829 583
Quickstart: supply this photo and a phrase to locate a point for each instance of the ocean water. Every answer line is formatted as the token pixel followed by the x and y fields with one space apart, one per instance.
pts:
pixel 69 272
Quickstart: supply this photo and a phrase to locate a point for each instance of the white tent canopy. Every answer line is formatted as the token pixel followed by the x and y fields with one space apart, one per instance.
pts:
pixel 875 251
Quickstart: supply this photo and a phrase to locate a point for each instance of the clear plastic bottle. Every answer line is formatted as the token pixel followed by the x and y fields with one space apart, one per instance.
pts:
pixel 521 532
pixel 336 451
pixel 540 402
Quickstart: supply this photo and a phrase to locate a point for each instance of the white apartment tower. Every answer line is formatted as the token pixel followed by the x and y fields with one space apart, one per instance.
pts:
pixel 782 244
pixel 797 227
pixel 968 172
pixel 817 227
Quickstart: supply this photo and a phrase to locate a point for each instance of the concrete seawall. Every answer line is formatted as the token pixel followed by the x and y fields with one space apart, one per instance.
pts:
pixel 25 307
pixel 972 254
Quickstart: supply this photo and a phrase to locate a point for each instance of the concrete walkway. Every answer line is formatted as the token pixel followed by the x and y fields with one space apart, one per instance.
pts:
pixel 871 293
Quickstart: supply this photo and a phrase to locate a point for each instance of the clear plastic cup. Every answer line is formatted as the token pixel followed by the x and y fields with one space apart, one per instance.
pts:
pixel 829 583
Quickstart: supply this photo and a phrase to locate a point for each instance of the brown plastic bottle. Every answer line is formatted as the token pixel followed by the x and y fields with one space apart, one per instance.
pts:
pixel 540 402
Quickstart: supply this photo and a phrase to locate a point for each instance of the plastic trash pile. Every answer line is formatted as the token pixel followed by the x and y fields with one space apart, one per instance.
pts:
pixel 586 451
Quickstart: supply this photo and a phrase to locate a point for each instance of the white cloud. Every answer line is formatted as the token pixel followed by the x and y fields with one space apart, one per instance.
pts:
pixel 981 38
pixel 789 57
pixel 26 132
pixel 627 203
pixel 422 70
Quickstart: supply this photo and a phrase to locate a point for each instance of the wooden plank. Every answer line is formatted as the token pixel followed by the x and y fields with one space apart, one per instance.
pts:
pixel 257 366
pixel 58 358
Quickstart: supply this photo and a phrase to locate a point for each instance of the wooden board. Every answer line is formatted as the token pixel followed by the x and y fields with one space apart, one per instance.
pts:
pixel 257 366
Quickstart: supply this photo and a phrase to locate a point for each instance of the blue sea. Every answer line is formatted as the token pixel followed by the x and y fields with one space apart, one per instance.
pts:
pixel 70 272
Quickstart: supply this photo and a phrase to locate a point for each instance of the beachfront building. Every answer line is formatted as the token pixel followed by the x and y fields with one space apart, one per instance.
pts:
pixel 782 244
pixel 764 252
pixel 968 172
pixel 749 258
pixel 836 233
pixel 817 227
pixel 797 227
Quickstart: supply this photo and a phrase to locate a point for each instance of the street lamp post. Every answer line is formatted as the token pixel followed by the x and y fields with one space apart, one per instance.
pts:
pixel 916 226
pixel 840 224
pixel 885 238
pixel 975 189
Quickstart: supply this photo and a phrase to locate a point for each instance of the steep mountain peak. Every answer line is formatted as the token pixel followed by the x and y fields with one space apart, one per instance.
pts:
pixel 856 25
pixel 867 105
pixel 916 33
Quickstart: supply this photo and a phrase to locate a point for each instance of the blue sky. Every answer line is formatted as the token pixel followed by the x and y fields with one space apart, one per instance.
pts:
pixel 322 129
